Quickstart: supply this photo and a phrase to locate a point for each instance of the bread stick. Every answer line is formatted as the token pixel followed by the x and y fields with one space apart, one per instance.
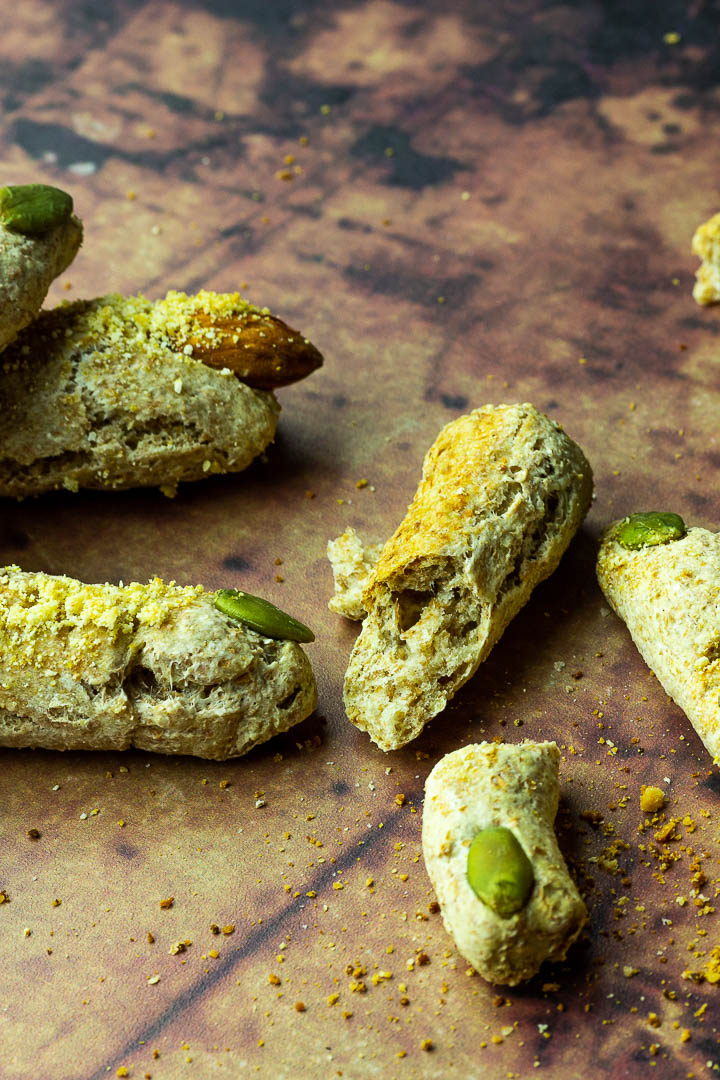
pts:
pixel 29 263
pixel 502 493
pixel 120 392
pixel 480 791
pixel 156 666
pixel 668 595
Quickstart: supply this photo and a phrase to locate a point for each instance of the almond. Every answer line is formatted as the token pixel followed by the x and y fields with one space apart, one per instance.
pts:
pixel 261 350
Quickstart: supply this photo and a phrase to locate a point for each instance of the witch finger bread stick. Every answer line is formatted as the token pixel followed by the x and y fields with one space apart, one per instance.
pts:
pixel 491 853
pixel 664 583
pixel 39 238
pixel 120 392
pixel 502 493
pixel 159 667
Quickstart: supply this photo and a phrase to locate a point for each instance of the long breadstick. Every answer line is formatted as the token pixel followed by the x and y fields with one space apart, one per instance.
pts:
pixel 159 667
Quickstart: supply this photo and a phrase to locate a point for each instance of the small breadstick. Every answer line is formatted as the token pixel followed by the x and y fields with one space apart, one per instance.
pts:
pixel 491 853
pixel 664 583
pixel 502 494
pixel 706 245
pixel 121 392
pixel 39 238
pixel 159 667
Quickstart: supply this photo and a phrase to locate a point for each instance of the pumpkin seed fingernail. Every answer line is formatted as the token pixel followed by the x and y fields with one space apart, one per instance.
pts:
pixel 499 872
pixel 649 528
pixel 34 208
pixel 262 616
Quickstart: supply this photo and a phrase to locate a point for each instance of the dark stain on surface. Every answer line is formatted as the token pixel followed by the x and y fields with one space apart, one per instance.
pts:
pixel 353 226
pixel 400 280
pixel 408 167
pixel 236 562
pixel 37 139
pixel 340 787
pixel 454 401
pixel 14 538
pixel 127 851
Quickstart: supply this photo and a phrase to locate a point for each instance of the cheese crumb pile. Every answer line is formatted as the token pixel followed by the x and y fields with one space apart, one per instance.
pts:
pixel 51 620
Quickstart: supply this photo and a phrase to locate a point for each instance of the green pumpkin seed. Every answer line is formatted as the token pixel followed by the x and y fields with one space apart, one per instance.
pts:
pixel 34 208
pixel 262 616
pixel 499 872
pixel 649 529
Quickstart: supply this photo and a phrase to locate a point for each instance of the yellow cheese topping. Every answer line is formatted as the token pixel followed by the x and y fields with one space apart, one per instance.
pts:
pixel 45 619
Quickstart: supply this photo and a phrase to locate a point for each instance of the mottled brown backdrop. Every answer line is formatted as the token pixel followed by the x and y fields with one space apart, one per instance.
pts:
pixel 460 203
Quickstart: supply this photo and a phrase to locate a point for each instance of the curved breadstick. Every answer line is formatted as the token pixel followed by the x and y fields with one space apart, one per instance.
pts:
pixel 488 786
pixel 158 667
pixel 668 595
pixel 502 493
pixel 120 392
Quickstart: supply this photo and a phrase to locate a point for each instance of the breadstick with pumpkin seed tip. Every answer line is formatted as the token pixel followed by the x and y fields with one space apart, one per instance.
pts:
pixel 121 392
pixel 160 667
pixel 664 583
pixel 39 238
pixel 491 853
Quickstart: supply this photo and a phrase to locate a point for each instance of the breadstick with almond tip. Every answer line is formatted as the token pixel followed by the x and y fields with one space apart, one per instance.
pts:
pixel 159 667
pixel 664 583
pixel 493 859
pixel 503 492
pixel 121 392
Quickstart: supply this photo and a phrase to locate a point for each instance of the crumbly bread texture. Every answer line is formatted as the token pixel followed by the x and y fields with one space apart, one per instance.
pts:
pixel 352 564
pixel 706 245
pixel 28 267
pixel 503 492
pixel 487 785
pixel 97 394
pixel 668 596
pixel 156 666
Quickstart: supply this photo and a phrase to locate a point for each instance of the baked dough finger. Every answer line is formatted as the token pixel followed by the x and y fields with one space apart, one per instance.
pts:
pixel 502 493
pixel 119 392
pixel 665 587
pixel 157 666
pixel 491 853
pixel 31 260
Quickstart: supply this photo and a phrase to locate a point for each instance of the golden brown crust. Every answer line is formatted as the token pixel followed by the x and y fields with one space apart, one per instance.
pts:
pixel 502 494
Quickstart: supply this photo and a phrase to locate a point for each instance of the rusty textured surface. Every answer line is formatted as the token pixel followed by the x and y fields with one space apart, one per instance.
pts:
pixel 486 203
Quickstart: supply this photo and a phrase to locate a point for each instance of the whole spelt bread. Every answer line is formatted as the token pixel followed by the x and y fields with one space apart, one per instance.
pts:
pixel 502 493
pixel 485 786
pixel 668 596
pixel 120 392
pixel 105 667
pixel 28 267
